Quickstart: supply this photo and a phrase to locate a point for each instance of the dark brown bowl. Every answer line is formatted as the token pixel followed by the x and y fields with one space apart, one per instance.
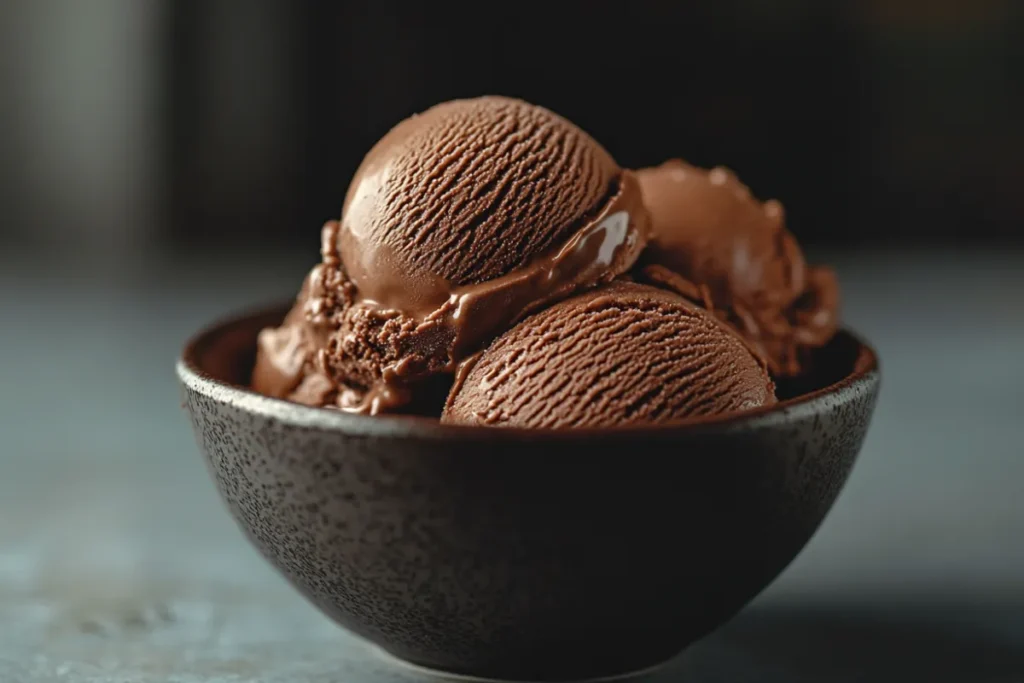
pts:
pixel 525 554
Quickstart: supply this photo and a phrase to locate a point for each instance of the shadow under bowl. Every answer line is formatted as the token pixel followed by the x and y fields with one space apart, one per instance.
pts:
pixel 525 554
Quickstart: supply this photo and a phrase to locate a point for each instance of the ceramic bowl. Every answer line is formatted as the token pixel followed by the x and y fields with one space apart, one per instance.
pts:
pixel 525 554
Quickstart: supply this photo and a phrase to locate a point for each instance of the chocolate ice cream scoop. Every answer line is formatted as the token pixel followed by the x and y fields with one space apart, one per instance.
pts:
pixel 709 229
pixel 464 193
pixel 459 222
pixel 624 354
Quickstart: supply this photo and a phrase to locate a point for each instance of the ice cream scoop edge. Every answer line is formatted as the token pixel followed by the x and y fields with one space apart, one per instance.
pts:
pixel 865 378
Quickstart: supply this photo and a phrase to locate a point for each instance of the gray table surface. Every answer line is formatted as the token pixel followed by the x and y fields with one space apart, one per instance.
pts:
pixel 118 563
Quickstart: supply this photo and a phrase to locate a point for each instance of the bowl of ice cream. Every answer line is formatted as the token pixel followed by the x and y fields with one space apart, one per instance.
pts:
pixel 532 416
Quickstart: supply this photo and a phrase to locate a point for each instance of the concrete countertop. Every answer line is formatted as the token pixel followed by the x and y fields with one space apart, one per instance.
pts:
pixel 118 563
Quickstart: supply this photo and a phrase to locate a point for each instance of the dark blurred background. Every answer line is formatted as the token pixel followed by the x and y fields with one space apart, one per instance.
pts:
pixel 164 162
pixel 130 123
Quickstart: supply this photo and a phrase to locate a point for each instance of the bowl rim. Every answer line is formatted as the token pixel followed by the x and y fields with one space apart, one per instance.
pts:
pixel 866 375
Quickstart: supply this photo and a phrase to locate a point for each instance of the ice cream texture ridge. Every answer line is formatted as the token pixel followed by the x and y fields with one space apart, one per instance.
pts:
pixel 493 265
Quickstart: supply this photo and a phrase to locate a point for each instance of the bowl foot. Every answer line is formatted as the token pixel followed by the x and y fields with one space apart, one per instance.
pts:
pixel 438 674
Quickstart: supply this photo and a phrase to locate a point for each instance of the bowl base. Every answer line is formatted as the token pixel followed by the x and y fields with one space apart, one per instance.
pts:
pixel 439 674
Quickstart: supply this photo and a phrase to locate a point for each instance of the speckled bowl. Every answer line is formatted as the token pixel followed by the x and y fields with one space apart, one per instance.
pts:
pixel 525 554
